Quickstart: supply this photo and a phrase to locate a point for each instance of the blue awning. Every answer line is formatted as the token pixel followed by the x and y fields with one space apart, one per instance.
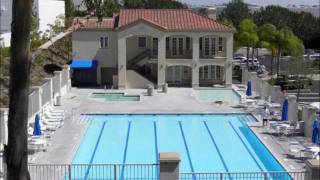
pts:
pixel 83 64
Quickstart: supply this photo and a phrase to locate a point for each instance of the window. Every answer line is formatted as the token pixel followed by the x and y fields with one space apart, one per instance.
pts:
pixel 188 41
pixel 206 46
pixel 180 51
pixel 213 72
pixel 213 47
pixel 220 44
pixel 203 72
pixel 185 71
pixel 142 42
pixel 155 46
pixel 174 46
pixel 104 42
pixel 200 44
pixel 218 71
pixel 167 43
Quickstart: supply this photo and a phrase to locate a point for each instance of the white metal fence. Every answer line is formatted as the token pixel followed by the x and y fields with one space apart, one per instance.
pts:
pixel 94 171
pixel 245 176
pixel 143 172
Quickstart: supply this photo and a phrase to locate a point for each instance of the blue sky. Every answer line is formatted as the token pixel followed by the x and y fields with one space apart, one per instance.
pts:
pixel 258 2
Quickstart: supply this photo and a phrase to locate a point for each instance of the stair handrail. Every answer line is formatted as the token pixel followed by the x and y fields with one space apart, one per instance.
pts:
pixel 139 57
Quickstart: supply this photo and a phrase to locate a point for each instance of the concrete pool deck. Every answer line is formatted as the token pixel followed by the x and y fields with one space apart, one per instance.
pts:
pixel 65 141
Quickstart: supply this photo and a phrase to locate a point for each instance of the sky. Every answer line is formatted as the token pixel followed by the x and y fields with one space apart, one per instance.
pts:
pixel 257 2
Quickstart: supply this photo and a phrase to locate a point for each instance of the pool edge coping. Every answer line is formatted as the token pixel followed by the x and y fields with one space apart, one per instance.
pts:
pixel 274 153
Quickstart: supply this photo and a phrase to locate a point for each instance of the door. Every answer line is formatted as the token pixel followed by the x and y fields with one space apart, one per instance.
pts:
pixel 177 46
pixel 209 45
pixel 84 77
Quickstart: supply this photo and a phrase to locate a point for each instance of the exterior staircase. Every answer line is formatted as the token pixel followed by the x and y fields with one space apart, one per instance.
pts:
pixel 136 76
pixel 139 60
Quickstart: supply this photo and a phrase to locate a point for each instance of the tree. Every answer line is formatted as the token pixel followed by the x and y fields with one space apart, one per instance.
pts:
pixel 16 152
pixel 163 4
pixel 235 11
pixel 133 4
pixel 267 34
pixel 69 8
pixel 304 25
pixel 101 8
pixel 287 42
pixel 109 7
pixel 247 35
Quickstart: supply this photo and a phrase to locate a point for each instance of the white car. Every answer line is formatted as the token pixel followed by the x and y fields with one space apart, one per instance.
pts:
pixel 255 62
pixel 238 60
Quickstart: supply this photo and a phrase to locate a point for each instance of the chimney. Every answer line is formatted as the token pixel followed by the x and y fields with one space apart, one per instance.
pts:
pixel 212 13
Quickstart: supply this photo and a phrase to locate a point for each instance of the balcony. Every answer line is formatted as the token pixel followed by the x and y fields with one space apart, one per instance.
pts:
pixel 185 54
pixel 218 55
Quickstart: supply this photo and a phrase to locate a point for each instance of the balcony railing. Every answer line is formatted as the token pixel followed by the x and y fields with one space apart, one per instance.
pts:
pixel 186 54
pixel 218 55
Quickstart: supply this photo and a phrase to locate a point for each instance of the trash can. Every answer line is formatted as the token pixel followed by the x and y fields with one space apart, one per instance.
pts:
pixel 165 88
pixel 58 101
pixel 150 90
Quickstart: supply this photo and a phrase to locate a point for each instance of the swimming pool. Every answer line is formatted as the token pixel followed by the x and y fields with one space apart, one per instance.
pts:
pixel 205 142
pixel 115 97
pixel 211 95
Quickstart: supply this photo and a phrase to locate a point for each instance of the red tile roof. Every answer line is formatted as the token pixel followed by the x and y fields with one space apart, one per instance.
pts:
pixel 171 19
pixel 167 19
pixel 93 23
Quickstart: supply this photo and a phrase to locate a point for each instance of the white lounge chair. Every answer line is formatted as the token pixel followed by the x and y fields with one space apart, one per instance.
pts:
pixel 295 149
pixel 36 145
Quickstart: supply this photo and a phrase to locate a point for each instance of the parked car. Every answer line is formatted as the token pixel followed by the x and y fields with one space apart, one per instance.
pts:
pixel 290 82
pixel 238 59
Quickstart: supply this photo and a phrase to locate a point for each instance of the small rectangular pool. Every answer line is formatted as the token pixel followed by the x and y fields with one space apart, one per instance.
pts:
pixel 205 142
pixel 211 95
pixel 115 97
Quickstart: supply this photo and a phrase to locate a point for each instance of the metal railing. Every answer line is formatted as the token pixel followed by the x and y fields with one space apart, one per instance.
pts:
pixel 94 171
pixel 277 175
pixel 143 172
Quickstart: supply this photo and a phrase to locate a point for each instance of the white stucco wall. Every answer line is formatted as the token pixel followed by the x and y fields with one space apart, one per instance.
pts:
pixel 133 48
pixel 86 45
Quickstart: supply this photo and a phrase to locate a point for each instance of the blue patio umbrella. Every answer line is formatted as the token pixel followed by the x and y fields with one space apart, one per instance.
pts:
pixel 316 132
pixel 37 127
pixel 249 91
pixel 284 116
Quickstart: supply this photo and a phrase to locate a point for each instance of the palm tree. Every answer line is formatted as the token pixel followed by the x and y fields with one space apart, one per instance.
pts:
pixel 16 155
pixel 247 35
pixel 267 34
pixel 287 42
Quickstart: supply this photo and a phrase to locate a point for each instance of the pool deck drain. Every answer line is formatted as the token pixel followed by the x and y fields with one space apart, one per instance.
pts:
pixel 66 140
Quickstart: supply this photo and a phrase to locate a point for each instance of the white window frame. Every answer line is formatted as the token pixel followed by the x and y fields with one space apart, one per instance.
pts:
pixel 145 42
pixel 208 45
pixel 104 42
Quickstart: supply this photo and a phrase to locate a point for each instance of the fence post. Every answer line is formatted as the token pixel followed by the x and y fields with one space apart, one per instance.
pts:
pixel 265 176
pixel 115 172
pixel 169 166
pixel 69 170
pixel 221 176
pixel 293 109
pixel 312 169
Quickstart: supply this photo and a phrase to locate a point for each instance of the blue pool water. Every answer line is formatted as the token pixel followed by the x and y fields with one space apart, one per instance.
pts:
pixel 211 95
pixel 206 143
